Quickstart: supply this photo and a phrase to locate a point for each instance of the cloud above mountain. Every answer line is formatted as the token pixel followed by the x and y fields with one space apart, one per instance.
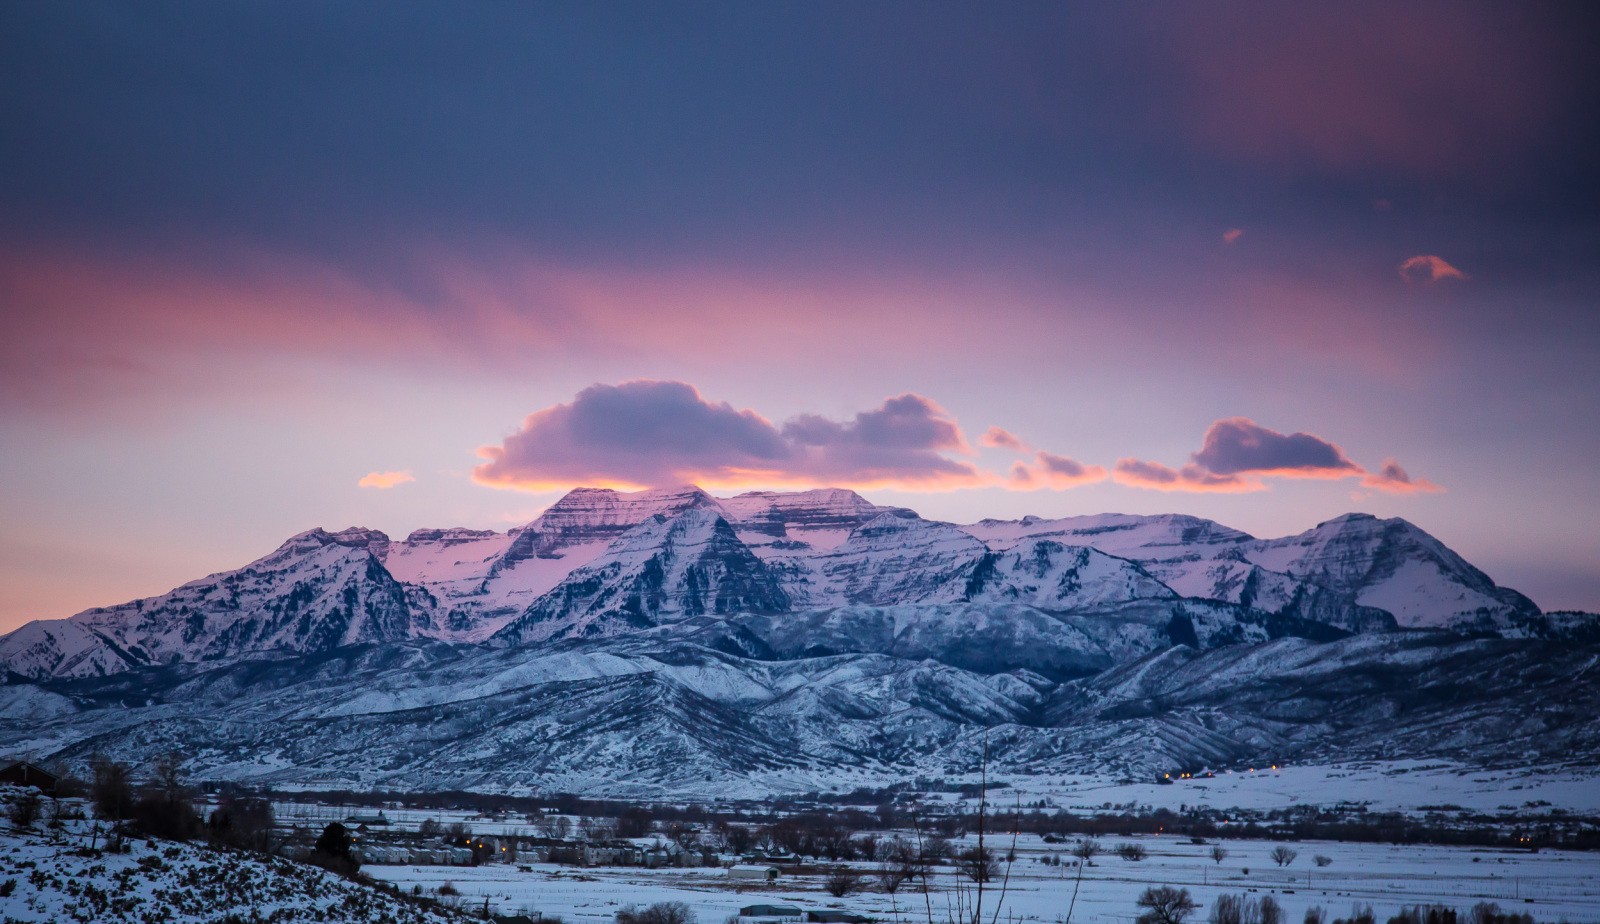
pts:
pixel 1049 470
pixel 649 433
pixel 646 432
pixel 1394 479
pixel 385 480
pixel 1238 455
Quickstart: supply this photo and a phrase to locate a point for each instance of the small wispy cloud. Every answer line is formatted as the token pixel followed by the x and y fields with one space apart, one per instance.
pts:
pixel 998 438
pixel 1191 478
pixel 1395 480
pixel 1232 235
pixel 385 480
pixel 1059 473
pixel 1428 268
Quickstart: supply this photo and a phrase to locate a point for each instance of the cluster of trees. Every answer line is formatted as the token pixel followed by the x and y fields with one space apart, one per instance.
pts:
pixel 1169 905
pixel 1245 909
pixel 898 806
pixel 162 805
pixel 335 850
pixel 658 913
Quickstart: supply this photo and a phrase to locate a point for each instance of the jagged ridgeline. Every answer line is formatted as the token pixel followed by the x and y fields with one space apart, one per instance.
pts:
pixel 656 640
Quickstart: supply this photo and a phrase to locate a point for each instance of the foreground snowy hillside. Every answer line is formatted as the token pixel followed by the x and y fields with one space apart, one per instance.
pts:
pixel 55 877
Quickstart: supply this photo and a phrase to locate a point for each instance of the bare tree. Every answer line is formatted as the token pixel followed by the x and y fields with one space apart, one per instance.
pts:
pixel 1234 909
pixel 1283 856
pixel 1165 905
pixel 979 864
pixel 1219 853
pixel 1087 849
pixel 1133 852
pixel 112 790
pixel 898 863
pixel 658 913
pixel 1321 860
pixel 243 821
pixel 166 776
pixel 841 881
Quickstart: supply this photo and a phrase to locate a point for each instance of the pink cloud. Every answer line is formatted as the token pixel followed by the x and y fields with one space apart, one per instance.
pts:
pixel 997 438
pixel 1049 470
pixel 1191 478
pixel 1395 480
pixel 385 480
pixel 1232 235
pixel 1238 455
pixel 647 433
pixel 1428 268
pixel 1240 446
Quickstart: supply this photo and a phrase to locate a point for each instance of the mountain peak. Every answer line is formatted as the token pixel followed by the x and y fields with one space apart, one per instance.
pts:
pixel 355 537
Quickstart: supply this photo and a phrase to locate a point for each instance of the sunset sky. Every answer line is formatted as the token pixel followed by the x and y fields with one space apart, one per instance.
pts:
pixel 265 267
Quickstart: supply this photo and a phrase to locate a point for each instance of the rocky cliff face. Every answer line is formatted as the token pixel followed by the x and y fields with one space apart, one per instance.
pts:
pixel 660 570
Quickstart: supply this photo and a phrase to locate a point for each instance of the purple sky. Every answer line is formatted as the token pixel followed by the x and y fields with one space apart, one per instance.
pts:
pixel 1259 263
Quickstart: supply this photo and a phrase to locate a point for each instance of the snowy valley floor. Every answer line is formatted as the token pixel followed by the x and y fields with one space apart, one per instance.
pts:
pixel 1560 885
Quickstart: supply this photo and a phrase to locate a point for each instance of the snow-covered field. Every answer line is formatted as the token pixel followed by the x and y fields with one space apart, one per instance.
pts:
pixel 1399 785
pixel 1551 885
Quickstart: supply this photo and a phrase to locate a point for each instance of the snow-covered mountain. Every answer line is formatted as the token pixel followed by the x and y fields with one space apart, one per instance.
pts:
pixel 316 592
pixel 653 642
pixel 1355 571
pixel 602 562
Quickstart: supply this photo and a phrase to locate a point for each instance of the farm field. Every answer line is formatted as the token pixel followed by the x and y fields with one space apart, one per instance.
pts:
pixel 1551 885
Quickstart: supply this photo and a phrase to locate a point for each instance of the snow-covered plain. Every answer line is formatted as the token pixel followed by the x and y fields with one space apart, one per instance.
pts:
pixel 1410 786
pixel 1551 885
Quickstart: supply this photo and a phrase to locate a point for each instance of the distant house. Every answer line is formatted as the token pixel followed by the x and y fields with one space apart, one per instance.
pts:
pixel 771 913
pixel 749 872
pixel 368 818
pixel 23 773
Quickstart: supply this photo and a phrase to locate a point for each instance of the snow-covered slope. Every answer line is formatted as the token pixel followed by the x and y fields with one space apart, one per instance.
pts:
pixel 894 559
pixel 178 883
pixel 1045 573
pixel 659 713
